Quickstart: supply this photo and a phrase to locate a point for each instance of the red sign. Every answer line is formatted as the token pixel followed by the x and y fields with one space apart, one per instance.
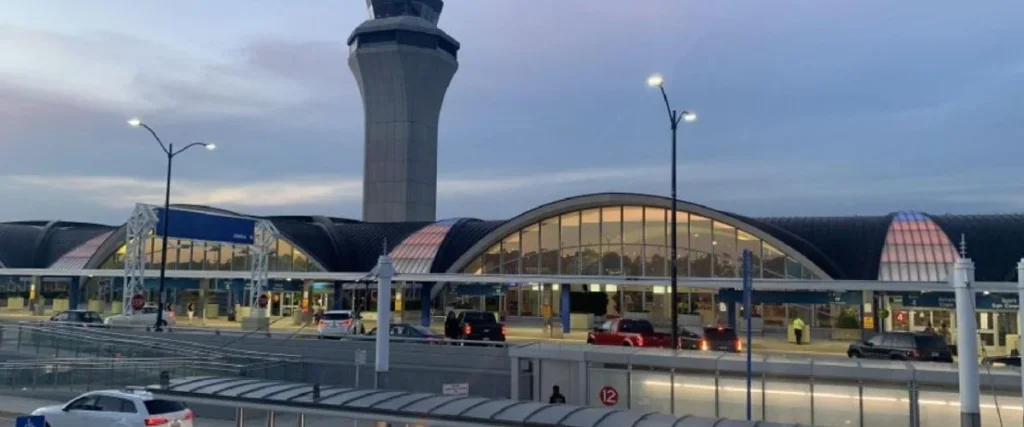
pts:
pixel 608 396
pixel 138 302
pixel 262 301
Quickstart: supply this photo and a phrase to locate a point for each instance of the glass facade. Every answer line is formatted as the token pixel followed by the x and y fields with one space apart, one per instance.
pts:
pixel 197 255
pixel 632 241
pixel 916 250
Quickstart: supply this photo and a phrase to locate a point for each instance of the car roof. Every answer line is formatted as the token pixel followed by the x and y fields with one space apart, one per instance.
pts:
pixel 338 312
pixel 139 395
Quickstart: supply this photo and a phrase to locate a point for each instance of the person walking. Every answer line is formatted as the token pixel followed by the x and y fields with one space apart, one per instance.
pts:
pixel 798 330
pixel 451 326
pixel 191 310
pixel 556 396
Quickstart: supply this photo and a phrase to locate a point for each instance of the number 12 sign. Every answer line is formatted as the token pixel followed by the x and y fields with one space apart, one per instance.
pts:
pixel 608 396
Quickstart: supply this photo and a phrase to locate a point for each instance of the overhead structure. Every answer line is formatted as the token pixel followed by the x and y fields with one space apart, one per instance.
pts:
pixel 259 234
pixel 403 65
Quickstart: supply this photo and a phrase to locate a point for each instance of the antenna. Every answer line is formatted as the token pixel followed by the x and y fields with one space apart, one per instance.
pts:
pixel 384 249
pixel 963 246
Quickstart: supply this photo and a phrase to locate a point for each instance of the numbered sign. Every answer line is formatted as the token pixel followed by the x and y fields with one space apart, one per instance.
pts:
pixel 608 396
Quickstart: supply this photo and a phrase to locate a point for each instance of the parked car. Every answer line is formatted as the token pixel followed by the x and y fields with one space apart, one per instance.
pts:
pixel 920 346
pixel 480 326
pixel 79 318
pixel 117 408
pixel 144 318
pixel 629 332
pixel 339 324
pixel 407 330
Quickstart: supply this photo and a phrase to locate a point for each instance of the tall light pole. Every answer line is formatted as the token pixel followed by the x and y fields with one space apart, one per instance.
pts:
pixel 169 151
pixel 674 117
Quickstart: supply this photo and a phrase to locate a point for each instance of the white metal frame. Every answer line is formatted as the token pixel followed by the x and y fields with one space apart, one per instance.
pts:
pixel 143 223
pixel 140 225
pixel 259 272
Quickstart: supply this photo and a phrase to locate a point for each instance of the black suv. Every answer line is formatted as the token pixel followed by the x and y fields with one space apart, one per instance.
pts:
pixel 480 326
pixel 903 346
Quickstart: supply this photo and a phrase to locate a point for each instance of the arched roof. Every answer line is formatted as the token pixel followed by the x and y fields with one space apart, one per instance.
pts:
pixel 37 244
pixel 589 201
pixel 994 242
pixel 847 247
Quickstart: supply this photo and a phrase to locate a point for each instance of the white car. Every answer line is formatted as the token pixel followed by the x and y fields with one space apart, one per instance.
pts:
pixel 117 408
pixel 339 323
pixel 144 318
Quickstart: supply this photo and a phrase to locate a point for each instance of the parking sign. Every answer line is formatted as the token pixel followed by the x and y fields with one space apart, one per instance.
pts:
pixel 30 421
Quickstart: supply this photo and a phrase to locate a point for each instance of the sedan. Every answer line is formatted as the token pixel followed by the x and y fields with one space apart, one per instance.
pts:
pixel 415 332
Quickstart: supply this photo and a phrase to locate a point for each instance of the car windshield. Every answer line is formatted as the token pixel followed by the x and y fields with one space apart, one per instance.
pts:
pixel 930 341
pixel 158 407
pixel 479 317
pixel 337 316
pixel 720 334
pixel 637 327
pixel 91 316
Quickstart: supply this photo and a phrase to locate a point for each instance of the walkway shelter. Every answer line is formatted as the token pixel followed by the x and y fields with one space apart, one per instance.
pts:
pixel 405 408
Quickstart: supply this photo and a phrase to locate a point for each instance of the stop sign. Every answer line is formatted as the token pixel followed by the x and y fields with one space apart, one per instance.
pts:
pixel 608 396
pixel 262 301
pixel 138 302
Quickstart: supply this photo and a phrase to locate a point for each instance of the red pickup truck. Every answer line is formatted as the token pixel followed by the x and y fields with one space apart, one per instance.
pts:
pixel 630 333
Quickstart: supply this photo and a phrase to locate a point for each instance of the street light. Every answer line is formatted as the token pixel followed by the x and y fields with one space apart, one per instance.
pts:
pixel 656 80
pixel 170 152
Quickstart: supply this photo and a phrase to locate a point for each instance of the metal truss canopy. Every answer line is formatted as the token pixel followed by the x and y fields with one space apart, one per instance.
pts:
pixel 142 224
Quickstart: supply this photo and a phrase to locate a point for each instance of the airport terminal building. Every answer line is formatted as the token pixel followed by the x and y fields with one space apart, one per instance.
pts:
pixel 607 238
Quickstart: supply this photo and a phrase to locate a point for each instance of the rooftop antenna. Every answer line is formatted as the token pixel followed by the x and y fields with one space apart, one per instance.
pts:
pixel 963 246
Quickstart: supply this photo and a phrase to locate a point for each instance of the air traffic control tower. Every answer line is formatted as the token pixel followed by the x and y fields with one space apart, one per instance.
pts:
pixel 403 64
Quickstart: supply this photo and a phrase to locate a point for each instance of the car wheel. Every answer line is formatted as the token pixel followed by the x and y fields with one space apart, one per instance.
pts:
pixel 854 355
pixel 590 341
pixel 627 344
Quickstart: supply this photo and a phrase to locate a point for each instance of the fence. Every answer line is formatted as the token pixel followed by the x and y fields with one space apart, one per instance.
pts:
pixel 832 392
pixel 414 366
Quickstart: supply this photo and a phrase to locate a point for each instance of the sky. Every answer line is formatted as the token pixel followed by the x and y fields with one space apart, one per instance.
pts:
pixel 825 107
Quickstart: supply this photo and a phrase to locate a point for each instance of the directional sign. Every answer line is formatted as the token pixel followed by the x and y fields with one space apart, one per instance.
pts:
pixel 608 396
pixel 460 389
pixel 30 421
pixel 360 357
pixel 211 227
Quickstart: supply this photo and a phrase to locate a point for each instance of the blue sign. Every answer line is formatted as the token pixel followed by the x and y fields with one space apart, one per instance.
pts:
pixel 948 300
pixel 30 421
pixel 207 227
pixel 479 290
pixel 792 297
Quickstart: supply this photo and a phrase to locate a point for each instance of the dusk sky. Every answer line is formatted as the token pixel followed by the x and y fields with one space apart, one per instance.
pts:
pixel 825 107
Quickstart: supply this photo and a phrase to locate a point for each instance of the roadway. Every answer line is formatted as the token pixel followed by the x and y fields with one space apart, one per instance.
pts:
pixel 519 331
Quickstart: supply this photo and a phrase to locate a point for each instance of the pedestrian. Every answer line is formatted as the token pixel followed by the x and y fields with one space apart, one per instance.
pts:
pixel 451 326
pixel 929 329
pixel 191 310
pixel 798 330
pixel 556 396
pixel 944 332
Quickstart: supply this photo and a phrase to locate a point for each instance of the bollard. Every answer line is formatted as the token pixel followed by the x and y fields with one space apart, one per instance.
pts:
pixel 271 419
pixel 316 392
pixel 302 421
pixel 239 417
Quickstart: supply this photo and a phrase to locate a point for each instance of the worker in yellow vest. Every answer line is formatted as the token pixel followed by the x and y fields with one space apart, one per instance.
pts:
pixel 798 330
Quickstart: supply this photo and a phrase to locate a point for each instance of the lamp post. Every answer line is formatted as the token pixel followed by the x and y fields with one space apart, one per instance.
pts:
pixel 674 117
pixel 170 152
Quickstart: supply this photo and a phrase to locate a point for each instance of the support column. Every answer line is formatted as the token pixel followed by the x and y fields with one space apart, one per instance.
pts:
pixel 399 302
pixel 425 303
pixel 204 300
pixel 564 309
pixel 383 360
pixel 967 344
pixel 547 309
pixel 339 296
pixel 1020 316
pixel 74 292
